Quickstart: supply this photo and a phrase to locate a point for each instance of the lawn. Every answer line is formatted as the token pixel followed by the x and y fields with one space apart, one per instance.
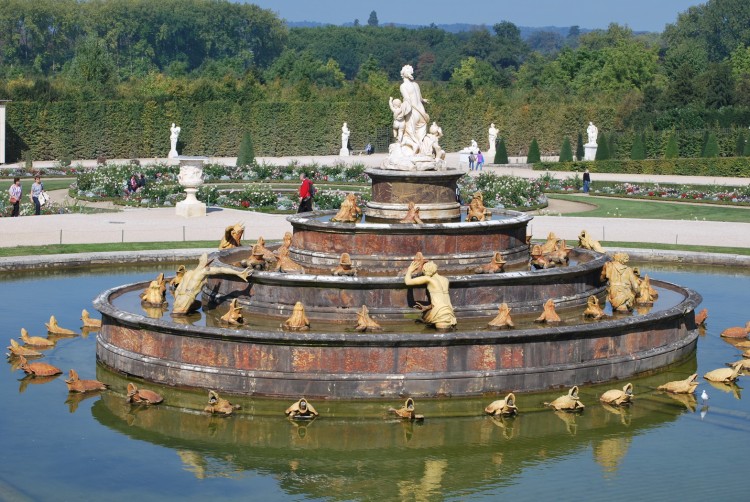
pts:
pixel 608 207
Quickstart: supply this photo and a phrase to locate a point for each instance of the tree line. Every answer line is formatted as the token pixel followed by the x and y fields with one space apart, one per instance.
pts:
pixel 174 54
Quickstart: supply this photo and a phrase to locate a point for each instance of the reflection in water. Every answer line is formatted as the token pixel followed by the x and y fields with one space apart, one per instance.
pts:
pixel 75 398
pixel 730 388
pixel 34 380
pixel 609 452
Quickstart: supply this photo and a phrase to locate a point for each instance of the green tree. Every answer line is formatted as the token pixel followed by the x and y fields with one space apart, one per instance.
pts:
pixel 534 155
pixel 566 151
pixel 739 146
pixel 612 146
pixel 638 152
pixel 246 156
pixel 672 150
pixel 579 147
pixel 373 19
pixel 501 152
pixel 746 150
pixel 602 149
pixel 92 66
pixel 712 147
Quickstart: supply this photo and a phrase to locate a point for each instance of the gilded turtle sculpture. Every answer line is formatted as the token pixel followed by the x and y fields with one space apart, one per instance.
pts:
pixel 686 386
pixel 301 409
pixel 142 396
pixel 568 402
pixel 88 321
pixel 75 384
pixel 19 350
pixel 38 369
pixel 55 329
pixel 744 363
pixel 218 405
pixel 505 406
pixel 617 397
pixel 406 412
pixel 548 315
pixel 737 331
pixel 35 341
pixel 701 317
pixel 725 375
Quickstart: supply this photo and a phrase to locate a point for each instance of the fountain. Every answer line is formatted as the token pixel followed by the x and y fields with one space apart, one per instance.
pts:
pixel 335 359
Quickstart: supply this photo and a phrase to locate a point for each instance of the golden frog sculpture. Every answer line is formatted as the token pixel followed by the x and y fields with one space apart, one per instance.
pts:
pixel 35 341
pixel 538 259
pixel 156 293
pixel 175 281
pixel 285 243
pixel 701 317
pixel 616 397
pixel 593 309
pixel 585 241
pixel 257 259
pixel 686 386
pixel 365 322
pixel 477 211
pixel 88 321
pixel 349 212
pixel 18 350
pixel 550 244
pixel 569 402
pixel 561 254
pixel 505 406
pixel 345 267
pixel 219 405
pixel 232 236
pixel 502 319
pixel 412 215
pixel 301 409
pixel 644 296
pixel 298 321
pixel 287 265
pixel 495 266
pixel 234 314
pixel 548 315
pixel 267 253
pixel 406 412
pixel 56 329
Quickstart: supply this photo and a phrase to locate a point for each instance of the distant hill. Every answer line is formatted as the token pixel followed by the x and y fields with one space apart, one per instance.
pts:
pixel 526 31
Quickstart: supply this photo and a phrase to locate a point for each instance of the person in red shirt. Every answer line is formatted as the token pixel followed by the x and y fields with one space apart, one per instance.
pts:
pixel 305 198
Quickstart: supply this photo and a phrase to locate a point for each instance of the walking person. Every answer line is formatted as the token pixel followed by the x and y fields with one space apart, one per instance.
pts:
pixel 36 190
pixel 480 160
pixel 15 197
pixel 305 194
pixel 586 181
pixel 471 161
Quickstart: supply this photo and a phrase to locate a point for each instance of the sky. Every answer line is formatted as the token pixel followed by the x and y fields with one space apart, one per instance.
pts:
pixel 639 15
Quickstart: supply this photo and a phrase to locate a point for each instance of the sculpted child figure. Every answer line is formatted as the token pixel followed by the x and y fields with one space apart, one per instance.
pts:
pixel 398 108
pixel 440 311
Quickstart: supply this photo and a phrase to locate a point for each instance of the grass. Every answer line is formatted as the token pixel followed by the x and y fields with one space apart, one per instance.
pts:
pixel 608 207
pixel 55 184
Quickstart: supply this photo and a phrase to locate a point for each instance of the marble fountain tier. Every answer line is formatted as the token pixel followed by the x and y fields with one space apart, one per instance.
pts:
pixel 331 360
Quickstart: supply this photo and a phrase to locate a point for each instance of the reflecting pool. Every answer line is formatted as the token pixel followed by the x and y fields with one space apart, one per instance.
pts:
pixel 96 447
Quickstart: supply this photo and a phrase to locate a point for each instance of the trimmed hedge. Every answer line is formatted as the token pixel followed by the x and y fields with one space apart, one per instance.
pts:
pixel 723 166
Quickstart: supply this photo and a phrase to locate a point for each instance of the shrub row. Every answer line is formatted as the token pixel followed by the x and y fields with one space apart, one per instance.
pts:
pixel 723 166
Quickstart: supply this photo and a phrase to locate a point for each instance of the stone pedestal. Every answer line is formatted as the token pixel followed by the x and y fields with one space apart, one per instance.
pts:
pixel 589 151
pixel 191 177
pixel 344 152
pixel 434 192
pixel 173 154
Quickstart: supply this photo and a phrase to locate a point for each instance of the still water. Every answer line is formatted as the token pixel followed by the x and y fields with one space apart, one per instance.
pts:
pixel 61 447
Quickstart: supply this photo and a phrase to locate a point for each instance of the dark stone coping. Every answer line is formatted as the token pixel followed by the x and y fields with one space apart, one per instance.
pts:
pixel 417 176
pixel 311 221
pixel 546 333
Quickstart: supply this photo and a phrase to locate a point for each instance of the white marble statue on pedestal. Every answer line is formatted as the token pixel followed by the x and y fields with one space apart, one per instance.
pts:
pixel 492 138
pixel 344 152
pixel 415 148
pixel 591 145
pixel 174 134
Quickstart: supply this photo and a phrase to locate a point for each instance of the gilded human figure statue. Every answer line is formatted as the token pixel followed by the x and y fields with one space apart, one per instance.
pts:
pixel 349 212
pixel 412 214
pixel 440 311
pixel 192 282
pixel 623 283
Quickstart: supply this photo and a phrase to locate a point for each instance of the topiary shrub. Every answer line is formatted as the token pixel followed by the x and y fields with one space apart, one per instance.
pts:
pixel 672 150
pixel 534 154
pixel 501 152
pixel 566 151
pixel 712 147
pixel 246 155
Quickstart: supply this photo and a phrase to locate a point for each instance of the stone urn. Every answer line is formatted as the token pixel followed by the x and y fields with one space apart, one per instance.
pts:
pixel 191 177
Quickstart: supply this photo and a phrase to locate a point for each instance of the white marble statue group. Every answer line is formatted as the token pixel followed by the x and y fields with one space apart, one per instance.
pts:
pixel 416 146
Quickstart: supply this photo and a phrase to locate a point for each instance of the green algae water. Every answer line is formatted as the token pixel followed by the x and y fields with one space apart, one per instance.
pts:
pixel 58 446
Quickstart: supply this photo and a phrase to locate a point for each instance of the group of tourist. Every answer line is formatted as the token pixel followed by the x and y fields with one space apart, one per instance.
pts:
pixel 476 161
pixel 37 196
pixel 136 183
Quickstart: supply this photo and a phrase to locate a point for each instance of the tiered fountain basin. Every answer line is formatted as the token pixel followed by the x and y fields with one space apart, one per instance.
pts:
pixel 333 361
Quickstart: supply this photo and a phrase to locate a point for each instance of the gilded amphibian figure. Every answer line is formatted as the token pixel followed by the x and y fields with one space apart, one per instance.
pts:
pixel 585 241
pixel 345 267
pixel 232 236
pixel 349 212
pixel 412 215
pixel 298 321
pixel 477 211
pixel 502 319
pixel 365 322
